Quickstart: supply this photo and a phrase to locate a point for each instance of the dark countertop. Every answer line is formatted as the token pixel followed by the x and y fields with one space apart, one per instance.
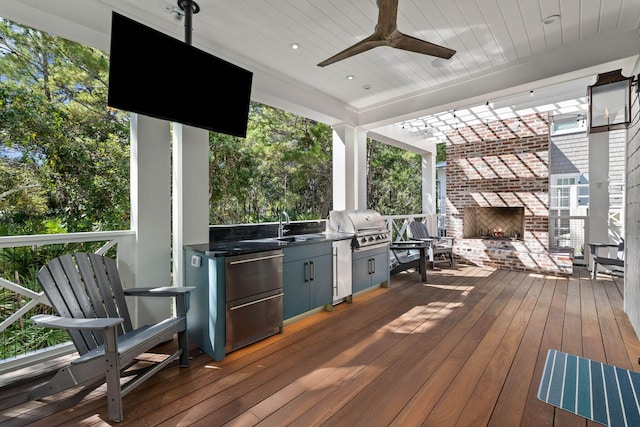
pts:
pixel 241 247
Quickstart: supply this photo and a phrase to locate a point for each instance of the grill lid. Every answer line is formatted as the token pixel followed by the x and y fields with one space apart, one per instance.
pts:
pixel 356 221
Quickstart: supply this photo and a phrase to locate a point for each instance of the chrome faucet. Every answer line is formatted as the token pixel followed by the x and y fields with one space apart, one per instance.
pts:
pixel 281 229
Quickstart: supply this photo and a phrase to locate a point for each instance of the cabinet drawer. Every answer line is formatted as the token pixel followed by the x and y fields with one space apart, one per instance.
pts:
pixel 310 250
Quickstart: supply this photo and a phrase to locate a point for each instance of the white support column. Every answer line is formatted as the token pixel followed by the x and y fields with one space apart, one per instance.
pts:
pixel 150 214
pixel 429 192
pixel 349 168
pixel 190 193
pixel 428 184
pixel 598 187
pixel 361 195
pixel 339 156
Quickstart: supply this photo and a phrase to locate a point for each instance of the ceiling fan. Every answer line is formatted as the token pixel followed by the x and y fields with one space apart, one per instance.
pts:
pixel 386 34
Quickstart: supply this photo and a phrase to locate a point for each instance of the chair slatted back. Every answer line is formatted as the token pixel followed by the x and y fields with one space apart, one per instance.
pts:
pixel 621 250
pixel 419 230
pixel 86 286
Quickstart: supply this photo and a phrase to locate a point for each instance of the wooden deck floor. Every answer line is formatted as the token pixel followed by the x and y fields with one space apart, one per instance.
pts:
pixel 465 349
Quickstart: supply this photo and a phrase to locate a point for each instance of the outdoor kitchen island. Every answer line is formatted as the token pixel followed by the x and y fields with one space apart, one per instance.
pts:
pixel 271 280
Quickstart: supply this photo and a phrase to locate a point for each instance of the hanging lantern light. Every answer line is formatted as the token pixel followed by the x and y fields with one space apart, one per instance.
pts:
pixel 610 102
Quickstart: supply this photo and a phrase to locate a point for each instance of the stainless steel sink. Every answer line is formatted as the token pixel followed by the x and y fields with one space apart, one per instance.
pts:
pixel 291 239
pixel 302 237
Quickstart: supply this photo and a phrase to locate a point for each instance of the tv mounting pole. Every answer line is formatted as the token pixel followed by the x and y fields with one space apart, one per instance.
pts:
pixel 190 8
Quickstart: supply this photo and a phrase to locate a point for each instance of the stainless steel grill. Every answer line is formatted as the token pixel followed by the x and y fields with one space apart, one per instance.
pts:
pixel 367 225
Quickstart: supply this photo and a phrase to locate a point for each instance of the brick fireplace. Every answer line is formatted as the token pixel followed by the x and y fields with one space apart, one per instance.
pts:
pixel 498 195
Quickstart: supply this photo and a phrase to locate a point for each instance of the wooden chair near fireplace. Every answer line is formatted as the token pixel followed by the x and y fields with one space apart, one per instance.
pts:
pixel 614 265
pixel 442 246
pixel 409 254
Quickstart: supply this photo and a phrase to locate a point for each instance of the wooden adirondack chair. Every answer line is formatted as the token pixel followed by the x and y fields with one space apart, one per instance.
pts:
pixel 615 265
pixel 409 254
pixel 442 246
pixel 86 291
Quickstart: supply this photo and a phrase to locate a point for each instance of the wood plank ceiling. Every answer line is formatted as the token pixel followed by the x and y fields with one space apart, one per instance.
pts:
pixel 502 48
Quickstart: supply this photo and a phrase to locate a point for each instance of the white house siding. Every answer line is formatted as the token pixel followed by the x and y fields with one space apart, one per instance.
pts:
pixel 569 154
pixel 632 213
pixel 617 146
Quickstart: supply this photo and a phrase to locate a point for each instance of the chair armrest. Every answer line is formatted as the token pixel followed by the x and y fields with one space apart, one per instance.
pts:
pixel 409 244
pixel 164 291
pixel 434 241
pixel 604 245
pixel 595 246
pixel 57 322
pixel 181 293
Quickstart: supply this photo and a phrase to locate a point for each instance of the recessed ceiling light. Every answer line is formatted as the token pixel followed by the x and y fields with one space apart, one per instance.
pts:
pixel 294 46
pixel 440 62
pixel 366 87
pixel 551 19
pixel 350 77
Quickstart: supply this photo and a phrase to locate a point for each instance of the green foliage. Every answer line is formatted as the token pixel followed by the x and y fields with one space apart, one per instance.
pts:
pixel 441 152
pixel 66 155
pixel 31 338
pixel 394 179
pixel 283 164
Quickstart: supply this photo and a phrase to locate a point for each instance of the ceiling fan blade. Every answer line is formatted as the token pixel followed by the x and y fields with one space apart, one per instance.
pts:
pixel 405 42
pixel 362 46
pixel 387 16
pixel 386 34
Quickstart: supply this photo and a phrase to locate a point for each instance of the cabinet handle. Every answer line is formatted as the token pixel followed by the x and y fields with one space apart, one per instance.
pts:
pixel 335 271
pixel 373 265
pixel 312 270
pixel 307 274
pixel 242 261
pixel 256 301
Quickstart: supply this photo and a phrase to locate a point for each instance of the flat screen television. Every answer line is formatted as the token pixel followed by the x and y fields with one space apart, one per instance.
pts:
pixel 157 75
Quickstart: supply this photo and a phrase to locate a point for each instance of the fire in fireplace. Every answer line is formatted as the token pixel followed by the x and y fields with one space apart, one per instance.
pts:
pixel 493 222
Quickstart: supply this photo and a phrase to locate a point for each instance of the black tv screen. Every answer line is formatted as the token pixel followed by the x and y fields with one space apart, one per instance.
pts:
pixel 157 75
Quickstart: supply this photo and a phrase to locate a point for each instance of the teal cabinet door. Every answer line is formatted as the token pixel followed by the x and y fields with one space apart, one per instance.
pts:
pixel 361 273
pixel 370 267
pixel 206 316
pixel 380 271
pixel 296 288
pixel 308 278
pixel 321 283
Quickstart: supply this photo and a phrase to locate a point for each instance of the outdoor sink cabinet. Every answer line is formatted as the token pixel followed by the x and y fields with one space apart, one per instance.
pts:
pixel 306 280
